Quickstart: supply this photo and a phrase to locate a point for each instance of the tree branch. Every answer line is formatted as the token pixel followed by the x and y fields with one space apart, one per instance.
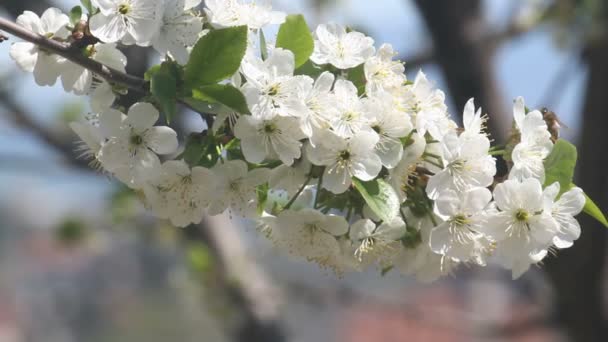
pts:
pixel 74 55
pixel 490 41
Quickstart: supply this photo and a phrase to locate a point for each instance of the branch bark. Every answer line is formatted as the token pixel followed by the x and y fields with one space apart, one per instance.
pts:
pixel 456 28
pixel 111 75
pixel 490 41
pixel 578 273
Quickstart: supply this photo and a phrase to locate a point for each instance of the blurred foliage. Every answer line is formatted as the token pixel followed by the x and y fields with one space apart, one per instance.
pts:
pixel 71 232
pixel 577 21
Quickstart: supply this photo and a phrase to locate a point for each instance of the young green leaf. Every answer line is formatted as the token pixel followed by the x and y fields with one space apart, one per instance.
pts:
pixel 216 56
pixel 262 195
pixel 200 150
pixel 559 165
pixel 75 15
pixel 206 107
pixel 594 211
pixel 380 197
pixel 163 85
pixel 89 6
pixel 225 94
pixel 263 45
pixel 294 35
pixel 357 76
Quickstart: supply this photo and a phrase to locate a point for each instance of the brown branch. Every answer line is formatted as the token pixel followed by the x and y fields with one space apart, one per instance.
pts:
pixel 74 55
pixel 490 40
pixel 21 119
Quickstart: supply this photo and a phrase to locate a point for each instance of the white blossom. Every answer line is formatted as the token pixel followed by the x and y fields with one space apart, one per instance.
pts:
pixel 320 104
pixel 254 14
pixel 31 58
pixel 133 142
pixel 377 241
pixel 467 164
pixel 310 234
pixel 534 146
pixel 272 85
pixel 522 229
pixel 179 29
pixel 333 45
pixel 346 158
pixel 427 106
pixel 265 137
pixel 179 193
pixel 563 208
pixel 80 80
pixel 349 117
pixel 235 188
pixel 401 175
pixel 463 214
pixel 135 20
pixel 382 72
pixel 390 124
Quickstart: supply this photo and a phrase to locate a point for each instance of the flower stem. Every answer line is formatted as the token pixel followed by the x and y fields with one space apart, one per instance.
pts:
pixel 295 197
pixel 314 206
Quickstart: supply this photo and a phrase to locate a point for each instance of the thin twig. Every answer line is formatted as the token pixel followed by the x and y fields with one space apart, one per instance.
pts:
pixel 490 40
pixel 74 55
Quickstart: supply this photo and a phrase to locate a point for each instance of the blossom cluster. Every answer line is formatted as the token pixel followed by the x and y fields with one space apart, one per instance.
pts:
pixel 340 160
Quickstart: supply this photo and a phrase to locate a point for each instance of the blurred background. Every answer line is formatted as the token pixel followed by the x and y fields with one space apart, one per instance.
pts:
pixel 81 260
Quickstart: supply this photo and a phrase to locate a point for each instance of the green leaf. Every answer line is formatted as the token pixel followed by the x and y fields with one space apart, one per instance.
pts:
pixel 263 45
pixel 357 76
pixel 594 211
pixel 216 56
pixel 225 94
pixel 294 35
pixel 200 150
pixel 380 197
pixel 559 165
pixel 262 195
pixel 153 70
pixel 310 69
pixel 163 86
pixel 75 15
pixel 206 107
pixel 89 7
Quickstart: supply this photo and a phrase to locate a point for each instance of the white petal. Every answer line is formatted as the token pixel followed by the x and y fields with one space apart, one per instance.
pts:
pixel 336 180
pixel 162 140
pixel 109 29
pixel 142 116
pixel 572 201
pixel 25 55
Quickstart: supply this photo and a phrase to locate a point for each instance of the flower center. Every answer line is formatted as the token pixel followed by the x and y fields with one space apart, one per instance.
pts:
pixel 350 116
pixel 124 9
pixel 270 128
pixel 521 215
pixel 345 155
pixel 274 90
pixel 377 129
pixel 137 140
pixel 461 220
pixel 234 186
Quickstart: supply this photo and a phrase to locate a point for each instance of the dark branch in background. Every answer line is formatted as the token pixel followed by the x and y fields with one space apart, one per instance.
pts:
pixel 491 41
pixel 463 54
pixel 20 118
pixel 578 273
pixel 75 56
pixel 111 75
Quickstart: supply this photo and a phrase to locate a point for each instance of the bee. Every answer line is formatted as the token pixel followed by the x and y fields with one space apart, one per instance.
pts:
pixel 553 123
